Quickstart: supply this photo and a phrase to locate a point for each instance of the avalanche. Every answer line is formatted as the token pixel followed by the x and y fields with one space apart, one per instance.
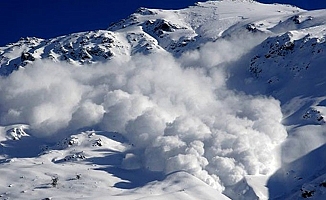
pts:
pixel 212 101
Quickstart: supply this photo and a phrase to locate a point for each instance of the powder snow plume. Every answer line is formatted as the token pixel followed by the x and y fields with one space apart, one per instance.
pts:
pixel 177 112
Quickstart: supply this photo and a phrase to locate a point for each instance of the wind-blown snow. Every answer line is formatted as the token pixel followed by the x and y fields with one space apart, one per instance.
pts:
pixel 183 117
pixel 225 92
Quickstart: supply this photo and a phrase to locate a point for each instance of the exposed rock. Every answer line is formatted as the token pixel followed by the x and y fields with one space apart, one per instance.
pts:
pixel 27 56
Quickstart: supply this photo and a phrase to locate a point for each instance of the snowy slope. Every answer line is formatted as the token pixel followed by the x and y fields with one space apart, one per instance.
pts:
pixel 148 30
pixel 87 166
pixel 220 100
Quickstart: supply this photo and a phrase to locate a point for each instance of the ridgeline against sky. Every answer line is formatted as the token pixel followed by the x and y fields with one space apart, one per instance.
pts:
pixel 47 19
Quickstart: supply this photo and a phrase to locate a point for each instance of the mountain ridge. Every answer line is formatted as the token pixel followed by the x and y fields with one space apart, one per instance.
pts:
pixel 156 80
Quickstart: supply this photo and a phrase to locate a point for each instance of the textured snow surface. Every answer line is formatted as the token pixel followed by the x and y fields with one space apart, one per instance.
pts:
pixel 220 100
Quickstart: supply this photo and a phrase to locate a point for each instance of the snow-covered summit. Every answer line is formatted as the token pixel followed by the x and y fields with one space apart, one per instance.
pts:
pixel 150 30
pixel 204 102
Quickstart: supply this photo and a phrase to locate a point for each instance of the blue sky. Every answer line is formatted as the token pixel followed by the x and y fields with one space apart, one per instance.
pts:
pixel 50 18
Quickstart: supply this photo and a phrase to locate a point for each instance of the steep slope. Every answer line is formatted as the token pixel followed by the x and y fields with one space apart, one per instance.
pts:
pixel 198 103
pixel 289 66
pixel 302 178
pixel 148 30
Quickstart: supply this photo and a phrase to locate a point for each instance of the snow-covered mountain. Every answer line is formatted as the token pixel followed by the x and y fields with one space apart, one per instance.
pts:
pixel 220 100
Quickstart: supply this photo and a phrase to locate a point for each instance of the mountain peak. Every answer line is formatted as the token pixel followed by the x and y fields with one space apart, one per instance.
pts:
pixel 221 94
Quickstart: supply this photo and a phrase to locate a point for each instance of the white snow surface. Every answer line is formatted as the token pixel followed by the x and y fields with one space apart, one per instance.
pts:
pixel 220 100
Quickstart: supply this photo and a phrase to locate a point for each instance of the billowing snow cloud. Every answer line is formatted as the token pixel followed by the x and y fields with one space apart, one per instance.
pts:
pixel 177 112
